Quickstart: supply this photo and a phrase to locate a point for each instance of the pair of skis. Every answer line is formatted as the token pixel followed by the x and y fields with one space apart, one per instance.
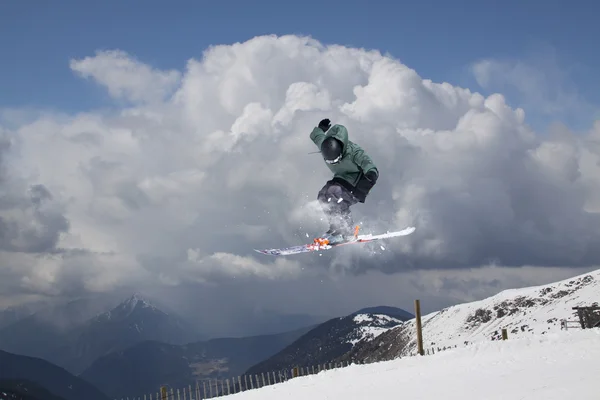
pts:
pixel 323 244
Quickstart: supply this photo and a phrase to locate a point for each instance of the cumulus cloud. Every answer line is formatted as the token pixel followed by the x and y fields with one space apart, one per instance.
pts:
pixel 213 161
pixel 30 220
pixel 541 82
pixel 127 78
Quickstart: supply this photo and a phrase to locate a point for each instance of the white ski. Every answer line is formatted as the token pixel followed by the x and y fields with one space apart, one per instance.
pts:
pixel 322 244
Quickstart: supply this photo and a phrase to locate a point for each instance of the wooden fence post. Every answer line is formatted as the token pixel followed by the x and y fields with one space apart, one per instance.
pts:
pixel 419 327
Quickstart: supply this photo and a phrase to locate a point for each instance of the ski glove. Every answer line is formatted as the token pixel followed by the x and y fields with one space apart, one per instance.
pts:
pixel 366 183
pixel 325 124
pixel 372 177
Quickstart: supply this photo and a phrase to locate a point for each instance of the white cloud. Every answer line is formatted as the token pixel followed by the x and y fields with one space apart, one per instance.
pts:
pixel 229 266
pixel 214 161
pixel 542 83
pixel 127 78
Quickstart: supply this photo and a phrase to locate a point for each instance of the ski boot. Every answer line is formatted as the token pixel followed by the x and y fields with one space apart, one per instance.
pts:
pixel 336 236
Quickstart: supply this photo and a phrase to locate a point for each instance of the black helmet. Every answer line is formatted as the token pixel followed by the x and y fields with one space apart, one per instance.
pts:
pixel 331 148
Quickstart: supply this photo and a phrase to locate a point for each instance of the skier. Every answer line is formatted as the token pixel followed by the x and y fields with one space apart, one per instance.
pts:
pixel 355 174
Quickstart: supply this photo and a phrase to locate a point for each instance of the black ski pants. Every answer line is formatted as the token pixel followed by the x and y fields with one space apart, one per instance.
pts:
pixel 335 200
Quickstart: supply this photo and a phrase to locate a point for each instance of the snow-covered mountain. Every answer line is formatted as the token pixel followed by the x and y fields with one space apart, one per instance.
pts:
pixel 329 341
pixel 131 322
pixel 525 311
pixel 139 314
pixel 73 335
pixel 369 326
pixel 38 333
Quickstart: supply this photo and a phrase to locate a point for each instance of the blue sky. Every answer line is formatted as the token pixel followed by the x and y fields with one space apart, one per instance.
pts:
pixel 438 39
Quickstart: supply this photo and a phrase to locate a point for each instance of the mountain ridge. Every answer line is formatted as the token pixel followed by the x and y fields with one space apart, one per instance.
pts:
pixel 76 340
pixel 131 322
pixel 332 339
pixel 47 376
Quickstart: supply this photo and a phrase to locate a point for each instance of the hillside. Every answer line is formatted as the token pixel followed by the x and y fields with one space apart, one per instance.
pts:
pixel 552 366
pixel 45 376
pixel 523 312
pixel 23 389
pixel 144 367
pixel 329 341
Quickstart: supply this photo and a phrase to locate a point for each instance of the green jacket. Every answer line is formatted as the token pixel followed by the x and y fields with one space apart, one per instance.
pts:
pixel 354 164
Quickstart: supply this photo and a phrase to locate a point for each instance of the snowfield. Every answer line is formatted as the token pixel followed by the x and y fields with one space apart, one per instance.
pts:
pixel 534 310
pixel 552 366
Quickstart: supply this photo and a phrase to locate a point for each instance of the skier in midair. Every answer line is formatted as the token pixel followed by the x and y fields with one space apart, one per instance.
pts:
pixel 354 175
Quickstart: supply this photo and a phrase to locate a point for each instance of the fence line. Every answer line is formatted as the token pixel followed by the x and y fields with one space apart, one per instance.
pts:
pixel 213 388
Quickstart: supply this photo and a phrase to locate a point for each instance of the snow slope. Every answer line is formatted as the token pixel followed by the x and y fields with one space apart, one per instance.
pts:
pixel 370 326
pixel 524 311
pixel 552 366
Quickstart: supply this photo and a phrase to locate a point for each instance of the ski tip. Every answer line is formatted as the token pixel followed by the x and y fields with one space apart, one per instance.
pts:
pixel 403 232
pixel 267 252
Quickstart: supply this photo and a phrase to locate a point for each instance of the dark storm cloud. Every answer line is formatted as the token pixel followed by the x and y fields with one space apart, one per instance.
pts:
pixel 35 228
